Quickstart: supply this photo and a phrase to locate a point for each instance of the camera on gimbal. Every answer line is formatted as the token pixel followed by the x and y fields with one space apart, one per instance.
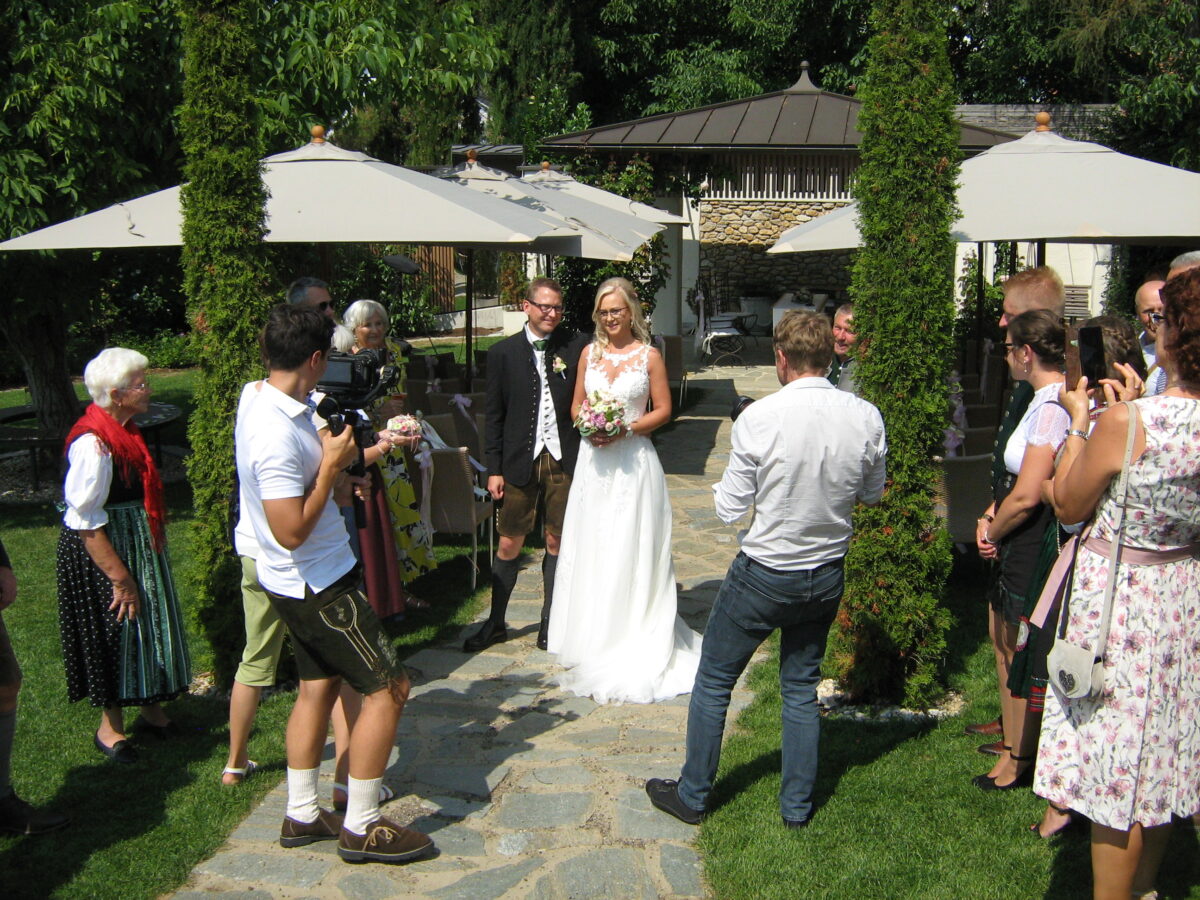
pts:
pixel 352 381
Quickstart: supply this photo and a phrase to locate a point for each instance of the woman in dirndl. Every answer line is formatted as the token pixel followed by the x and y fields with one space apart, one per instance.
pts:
pixel 122 629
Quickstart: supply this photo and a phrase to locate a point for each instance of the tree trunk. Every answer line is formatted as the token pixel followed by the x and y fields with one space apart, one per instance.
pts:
pixel 42 349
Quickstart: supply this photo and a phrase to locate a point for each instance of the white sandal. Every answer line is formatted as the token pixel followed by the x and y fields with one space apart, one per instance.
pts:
pixel 385 794
pixel 244 773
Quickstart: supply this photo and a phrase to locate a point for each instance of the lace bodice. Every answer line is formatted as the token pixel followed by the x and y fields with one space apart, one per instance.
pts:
pixel 623 375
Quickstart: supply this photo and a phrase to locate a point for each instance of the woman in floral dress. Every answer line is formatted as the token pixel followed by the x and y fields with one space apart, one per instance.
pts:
pixel 1129 758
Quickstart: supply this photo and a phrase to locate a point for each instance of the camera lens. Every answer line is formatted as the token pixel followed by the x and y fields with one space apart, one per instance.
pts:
pixel 738 406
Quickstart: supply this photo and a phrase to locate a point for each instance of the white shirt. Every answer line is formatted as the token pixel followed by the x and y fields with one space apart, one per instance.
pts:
pixel 802 457
pixel 1149 350
pixel 1045 422
pixel 89 479
pixel 546 433
pixel 244 541
pixel 1157 382
pixel 278 456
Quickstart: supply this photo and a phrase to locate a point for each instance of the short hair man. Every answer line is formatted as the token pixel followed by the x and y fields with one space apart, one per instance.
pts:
pixel 844 340
pixel 530 446
pixel 801 459
pixel 1148 305
pixel 1036 288
pixel 305 565
pixel 314 293
pixel 16 816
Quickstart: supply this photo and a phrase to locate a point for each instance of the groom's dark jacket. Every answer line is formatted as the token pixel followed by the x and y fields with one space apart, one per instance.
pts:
pixel 512 402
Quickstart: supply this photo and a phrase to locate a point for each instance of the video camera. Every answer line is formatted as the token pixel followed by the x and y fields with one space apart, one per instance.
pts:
pixel 352 381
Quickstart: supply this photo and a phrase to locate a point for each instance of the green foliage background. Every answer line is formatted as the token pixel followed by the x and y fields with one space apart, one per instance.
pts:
pixel 892 625
pixel 226 282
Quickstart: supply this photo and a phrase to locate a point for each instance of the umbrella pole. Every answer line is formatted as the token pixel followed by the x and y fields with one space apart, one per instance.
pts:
pixel 979 287
pixel 468 319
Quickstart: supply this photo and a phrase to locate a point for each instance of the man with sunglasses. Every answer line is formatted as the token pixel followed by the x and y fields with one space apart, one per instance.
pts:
pixel 313 292
pixel 530 446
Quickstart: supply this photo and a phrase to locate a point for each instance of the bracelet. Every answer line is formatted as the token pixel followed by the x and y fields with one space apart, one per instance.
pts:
pixel 1077 433
pixel 986 518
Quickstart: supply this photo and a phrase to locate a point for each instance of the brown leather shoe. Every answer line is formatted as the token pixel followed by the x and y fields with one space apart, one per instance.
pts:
pixel 985 728
pixel 385 842
pixel 296 834
pixel 992 749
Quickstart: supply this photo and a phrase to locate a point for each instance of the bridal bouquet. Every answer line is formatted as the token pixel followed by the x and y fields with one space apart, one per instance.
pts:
pixel 600 413
pixel 405 425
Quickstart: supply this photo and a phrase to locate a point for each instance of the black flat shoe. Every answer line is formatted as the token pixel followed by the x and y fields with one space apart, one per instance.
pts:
pixel 121 752
pixel 162 732
pixel 489 634
pixel 543 638
pixel 987 783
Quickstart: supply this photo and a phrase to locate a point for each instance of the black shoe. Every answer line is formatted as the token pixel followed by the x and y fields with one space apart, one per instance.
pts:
pixel 489 634
pixel 18 817
pixel 543 638
pixel 795 824
pixel 987 783
pixel 120 752
pixel 664 794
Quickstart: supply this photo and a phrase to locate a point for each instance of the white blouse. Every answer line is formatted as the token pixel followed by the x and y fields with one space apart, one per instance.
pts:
pixel 1044 422
pixel 89 477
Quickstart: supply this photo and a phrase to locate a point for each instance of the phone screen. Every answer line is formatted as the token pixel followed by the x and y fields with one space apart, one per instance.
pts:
pixel 1092 364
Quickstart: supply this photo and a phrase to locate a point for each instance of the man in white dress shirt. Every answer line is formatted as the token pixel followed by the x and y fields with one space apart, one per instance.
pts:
pixel 801 459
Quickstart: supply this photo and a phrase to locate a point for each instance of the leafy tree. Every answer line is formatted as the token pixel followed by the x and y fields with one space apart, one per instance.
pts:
pixel 892 627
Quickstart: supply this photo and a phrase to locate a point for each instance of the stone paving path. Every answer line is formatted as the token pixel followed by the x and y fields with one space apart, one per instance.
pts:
pixel 527 791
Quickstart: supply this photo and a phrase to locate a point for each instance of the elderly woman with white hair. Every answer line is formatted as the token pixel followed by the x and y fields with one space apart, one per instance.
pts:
pixel 368 320
pixel 122 630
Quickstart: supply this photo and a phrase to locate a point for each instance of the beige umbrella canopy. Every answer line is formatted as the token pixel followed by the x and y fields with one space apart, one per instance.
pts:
pixel 321 193
pixel 561 183
pixel 599 231
pixel 1046 187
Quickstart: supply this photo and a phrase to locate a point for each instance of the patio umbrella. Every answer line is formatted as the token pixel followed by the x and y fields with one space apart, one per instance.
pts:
pixel 600 232
pixel 1046 187
pixel 546 177
pixel 320 193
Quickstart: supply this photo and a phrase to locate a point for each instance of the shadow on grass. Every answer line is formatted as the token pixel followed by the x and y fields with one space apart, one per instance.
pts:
pixel 966 600
pixel 845 745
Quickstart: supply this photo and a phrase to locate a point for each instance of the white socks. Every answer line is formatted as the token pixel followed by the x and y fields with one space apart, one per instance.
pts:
pixel 362 803
pixel 302 794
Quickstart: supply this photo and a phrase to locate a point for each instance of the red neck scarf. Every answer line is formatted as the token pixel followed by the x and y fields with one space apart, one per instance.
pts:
pixel 130 452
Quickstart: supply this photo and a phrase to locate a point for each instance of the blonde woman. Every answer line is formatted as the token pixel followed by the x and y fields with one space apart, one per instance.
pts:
pixel 613 619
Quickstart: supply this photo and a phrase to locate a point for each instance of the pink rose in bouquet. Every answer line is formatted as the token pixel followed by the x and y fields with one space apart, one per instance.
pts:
pixel 405 425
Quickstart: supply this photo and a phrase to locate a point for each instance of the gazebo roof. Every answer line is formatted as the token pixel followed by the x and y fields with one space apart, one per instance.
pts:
pixel 802 116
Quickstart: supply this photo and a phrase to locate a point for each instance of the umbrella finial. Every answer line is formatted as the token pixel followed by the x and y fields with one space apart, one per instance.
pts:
pixel 1043 121
pixel 318 134
pixel 804 84
pixel 545 165
pixel 472 156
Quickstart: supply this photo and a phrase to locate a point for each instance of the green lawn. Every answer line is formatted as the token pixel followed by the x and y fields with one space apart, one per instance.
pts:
pixel 138 831
pixel 896 813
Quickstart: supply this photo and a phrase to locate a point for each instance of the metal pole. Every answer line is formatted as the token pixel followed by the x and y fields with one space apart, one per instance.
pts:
pixel 468 319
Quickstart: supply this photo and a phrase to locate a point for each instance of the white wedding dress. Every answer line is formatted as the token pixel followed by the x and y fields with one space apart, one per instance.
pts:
pixel 613 620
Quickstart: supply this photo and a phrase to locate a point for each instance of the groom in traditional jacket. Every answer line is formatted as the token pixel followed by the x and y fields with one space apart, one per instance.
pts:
pixel 530 446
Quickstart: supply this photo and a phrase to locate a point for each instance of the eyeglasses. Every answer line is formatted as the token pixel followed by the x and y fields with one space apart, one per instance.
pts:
pixel 324 305
pixel 610 313
pixel 1157 318
pixel 1009 347
pixel 143 387
pixel 547 308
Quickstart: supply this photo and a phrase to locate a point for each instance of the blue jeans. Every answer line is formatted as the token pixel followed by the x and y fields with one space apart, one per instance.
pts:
pixel 753 601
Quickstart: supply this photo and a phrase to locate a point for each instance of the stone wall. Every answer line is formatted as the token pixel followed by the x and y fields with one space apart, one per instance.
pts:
pixel 735 235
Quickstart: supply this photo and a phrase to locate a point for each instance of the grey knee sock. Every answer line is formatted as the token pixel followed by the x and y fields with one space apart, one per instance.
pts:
pixel 549 567
pixel 8 727
pixel 504 579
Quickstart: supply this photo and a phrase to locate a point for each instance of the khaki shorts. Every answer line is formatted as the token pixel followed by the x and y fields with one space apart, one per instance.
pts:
pixel 519 509
pixel 264 632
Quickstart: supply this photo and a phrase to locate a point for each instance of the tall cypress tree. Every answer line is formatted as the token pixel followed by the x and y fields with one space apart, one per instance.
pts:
pixel 225 279
pixel 893 627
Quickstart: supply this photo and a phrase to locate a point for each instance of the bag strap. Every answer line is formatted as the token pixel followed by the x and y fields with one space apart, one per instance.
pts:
pixel 1121 493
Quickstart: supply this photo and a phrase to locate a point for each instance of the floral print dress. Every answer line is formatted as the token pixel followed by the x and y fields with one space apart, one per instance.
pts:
pixel 1132 754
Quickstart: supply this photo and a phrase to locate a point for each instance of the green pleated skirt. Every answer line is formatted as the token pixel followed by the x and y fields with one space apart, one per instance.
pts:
pixel 129 663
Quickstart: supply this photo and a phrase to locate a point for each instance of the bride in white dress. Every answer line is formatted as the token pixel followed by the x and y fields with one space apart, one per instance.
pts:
pixel 613 621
